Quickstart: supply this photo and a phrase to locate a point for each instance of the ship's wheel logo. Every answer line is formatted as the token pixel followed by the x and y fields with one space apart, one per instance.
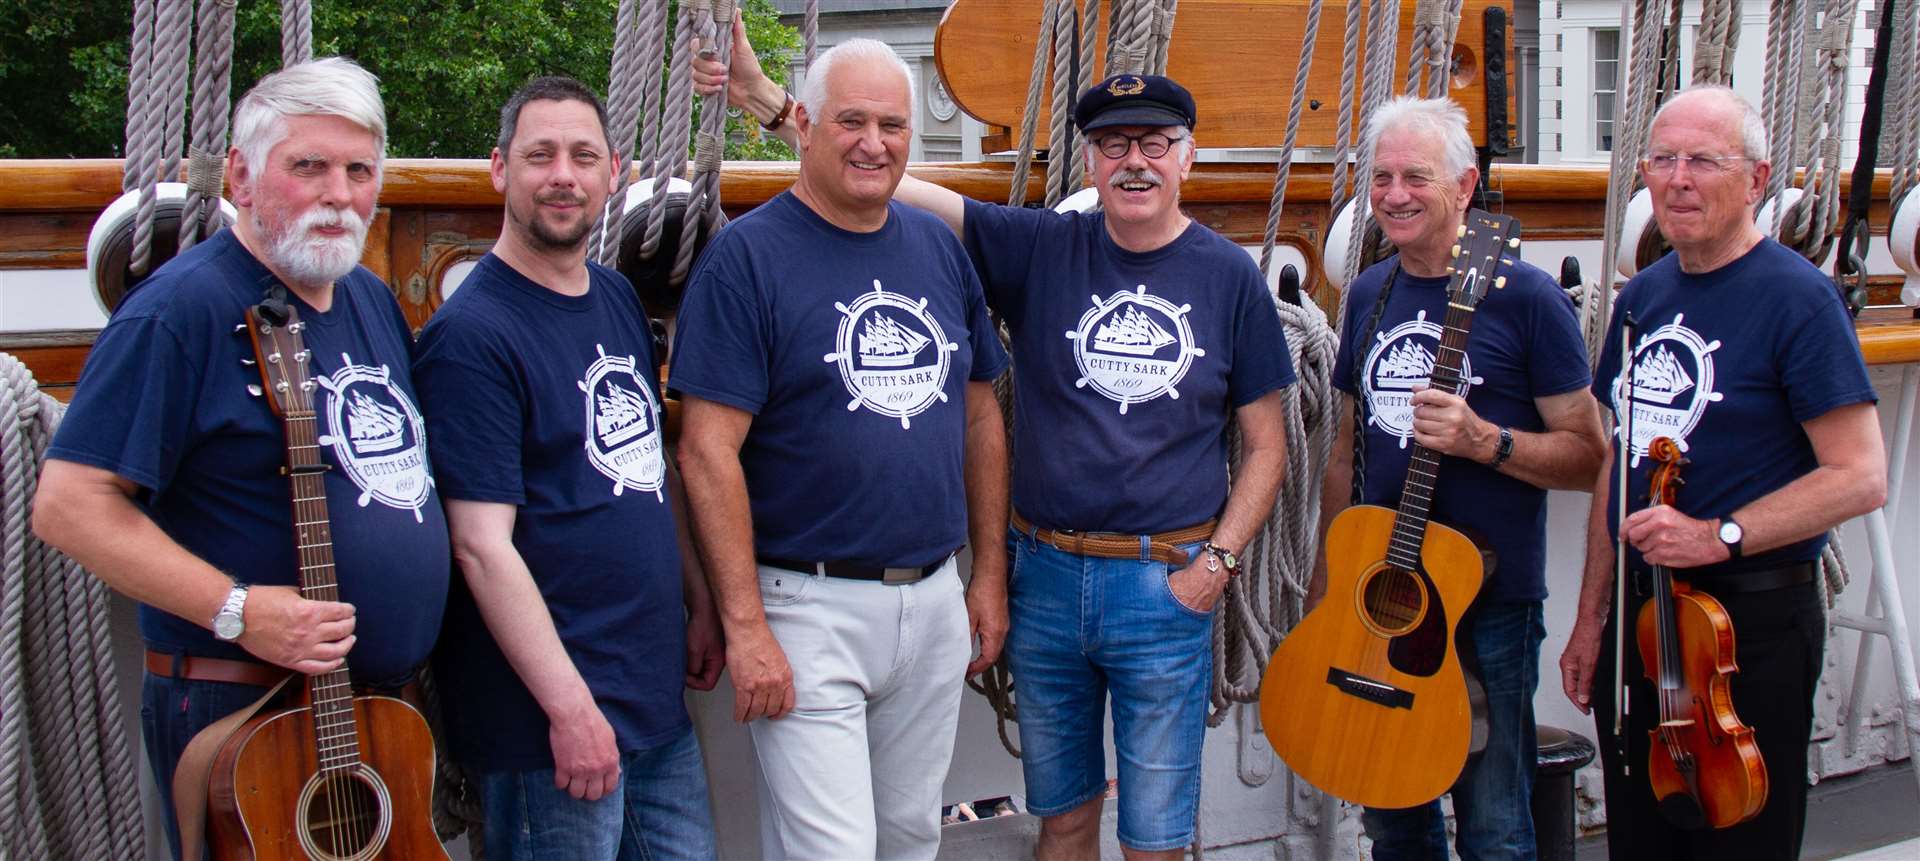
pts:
pixel 1400 362
pixel 378 436
pixel 1672 386
pixel 892 355
pixel 623 426
pixel 1133 347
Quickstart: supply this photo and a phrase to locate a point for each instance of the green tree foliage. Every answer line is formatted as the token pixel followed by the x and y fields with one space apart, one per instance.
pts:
pixel 445 66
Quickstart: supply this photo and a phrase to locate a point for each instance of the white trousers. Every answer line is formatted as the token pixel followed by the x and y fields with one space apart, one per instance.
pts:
pixel 855 770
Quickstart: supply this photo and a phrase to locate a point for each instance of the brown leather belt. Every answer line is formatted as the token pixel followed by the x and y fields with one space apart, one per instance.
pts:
pixel 213 669
pixel 1164 546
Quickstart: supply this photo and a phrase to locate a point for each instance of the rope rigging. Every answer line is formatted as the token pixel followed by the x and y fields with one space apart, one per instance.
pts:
pixel 68 783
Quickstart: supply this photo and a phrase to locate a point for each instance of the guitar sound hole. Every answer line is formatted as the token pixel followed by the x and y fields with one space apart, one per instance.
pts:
pixel 1394 600
pixel 342 816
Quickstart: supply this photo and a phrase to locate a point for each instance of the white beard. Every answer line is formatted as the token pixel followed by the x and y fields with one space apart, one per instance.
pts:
pixel 312 260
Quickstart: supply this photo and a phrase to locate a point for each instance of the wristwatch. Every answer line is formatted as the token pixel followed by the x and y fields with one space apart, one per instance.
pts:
pixel 1731 535
pixel 1226 558
pixel 1503 450
pixel 231 621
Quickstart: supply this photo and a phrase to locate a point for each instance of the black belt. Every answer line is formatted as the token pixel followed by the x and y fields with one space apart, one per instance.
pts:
pixel 855 571
pixel 1760 580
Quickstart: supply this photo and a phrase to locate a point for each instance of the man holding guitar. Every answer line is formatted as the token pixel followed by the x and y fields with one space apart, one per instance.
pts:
pixel 582 613
pixel 166 478
pixel 1744 356
pixel 1525 424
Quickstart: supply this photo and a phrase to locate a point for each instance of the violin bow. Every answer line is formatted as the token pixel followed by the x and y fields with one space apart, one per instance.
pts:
pixel 1621 708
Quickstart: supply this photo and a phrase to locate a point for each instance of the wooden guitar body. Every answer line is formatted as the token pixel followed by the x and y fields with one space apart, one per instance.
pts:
pixel 1366 698
pixel 269 800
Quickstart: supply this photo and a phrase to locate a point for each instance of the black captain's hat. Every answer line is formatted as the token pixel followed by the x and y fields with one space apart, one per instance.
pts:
pixel 1134 100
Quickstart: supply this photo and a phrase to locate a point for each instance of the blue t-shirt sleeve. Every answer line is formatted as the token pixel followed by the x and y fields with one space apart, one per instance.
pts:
pixel 1820 364
pixel 720 350
pixel 1261 362
pixel 133 408
pixel 989 356
pixel 1361 294
pixel 1001 240
pixel 1557 357
pixel 474 414
pixel 1609 365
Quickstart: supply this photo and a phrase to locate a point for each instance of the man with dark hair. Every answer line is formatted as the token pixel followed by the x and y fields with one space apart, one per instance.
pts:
pixel 165 479
pixel 1744 357
pixel 581 615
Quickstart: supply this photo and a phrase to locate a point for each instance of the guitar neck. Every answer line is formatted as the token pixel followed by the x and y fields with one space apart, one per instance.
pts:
pixel 1416 493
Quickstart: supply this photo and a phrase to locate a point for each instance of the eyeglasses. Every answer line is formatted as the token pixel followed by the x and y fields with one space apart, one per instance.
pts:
pixel 1152 144
pixel 1663 164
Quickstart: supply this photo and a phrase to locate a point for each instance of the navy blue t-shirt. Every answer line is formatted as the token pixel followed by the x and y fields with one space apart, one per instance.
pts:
pixel 163 403
pixel 1730 364
pixel 1129 365
pixel 852 351
pixel 1525 344
pixel 549 403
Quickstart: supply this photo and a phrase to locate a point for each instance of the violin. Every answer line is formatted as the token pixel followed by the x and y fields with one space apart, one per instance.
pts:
pixel 1703 763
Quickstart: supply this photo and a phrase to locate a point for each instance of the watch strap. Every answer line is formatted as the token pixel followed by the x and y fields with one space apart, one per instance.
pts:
pixel 780 119
pixel 1503 450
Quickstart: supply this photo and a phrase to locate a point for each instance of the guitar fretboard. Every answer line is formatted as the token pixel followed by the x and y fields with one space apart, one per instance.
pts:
pixel 1416 494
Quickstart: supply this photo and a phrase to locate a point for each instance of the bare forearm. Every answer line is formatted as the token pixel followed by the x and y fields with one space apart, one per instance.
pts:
pixel 517 617
pixel 1555 459
pixel 108 535
pixel 723 532
pixel 986 482
pixel 1596 582
pixel 1255 486
pixel 694 591
pixel 1807 506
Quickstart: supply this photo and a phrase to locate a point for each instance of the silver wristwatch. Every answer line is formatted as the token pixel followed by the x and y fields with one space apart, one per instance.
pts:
pixel 231 621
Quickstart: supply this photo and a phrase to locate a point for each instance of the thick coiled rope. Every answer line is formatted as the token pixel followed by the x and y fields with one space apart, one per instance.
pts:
pixel 1261 605
pixel 632 103
pixel 161 98
pixel 296 32
pixel 206 156
pixel 1715 40
pixel 68 783
pixel 1810 221
pixel 676 121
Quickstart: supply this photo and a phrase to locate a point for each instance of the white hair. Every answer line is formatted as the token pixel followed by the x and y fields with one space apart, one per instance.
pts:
pixel 1442 118
pixel 813 88
pixel 1753 128
pixel 333 86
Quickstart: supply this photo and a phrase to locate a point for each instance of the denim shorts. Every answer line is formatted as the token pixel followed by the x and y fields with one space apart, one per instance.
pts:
pixel 1085 628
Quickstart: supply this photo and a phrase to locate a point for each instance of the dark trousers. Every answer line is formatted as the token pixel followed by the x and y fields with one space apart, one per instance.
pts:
pixel 1779 636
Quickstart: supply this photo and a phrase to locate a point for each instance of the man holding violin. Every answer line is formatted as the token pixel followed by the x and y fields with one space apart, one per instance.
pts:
pixel 1744 357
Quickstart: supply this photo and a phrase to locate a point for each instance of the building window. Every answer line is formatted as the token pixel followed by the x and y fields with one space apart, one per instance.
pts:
pixel 1606 77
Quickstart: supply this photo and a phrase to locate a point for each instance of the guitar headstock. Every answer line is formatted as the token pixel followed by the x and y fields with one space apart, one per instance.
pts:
pixel 283 359
pixel 1478 256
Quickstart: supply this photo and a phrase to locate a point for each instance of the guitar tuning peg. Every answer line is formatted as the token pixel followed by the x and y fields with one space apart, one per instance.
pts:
pixel 255 390
pixel 1456 250
pixel 1461 232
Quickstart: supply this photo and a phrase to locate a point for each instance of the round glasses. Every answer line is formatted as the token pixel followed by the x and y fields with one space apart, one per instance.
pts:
pixel 1152 144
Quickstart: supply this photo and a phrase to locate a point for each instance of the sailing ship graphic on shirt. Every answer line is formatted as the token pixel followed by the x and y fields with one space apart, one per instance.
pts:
pixel 1672 386
pixel 623 425
pixel 892 355
pixel 374 427
pixel 1133 346
pixel 377 435
pixel 887 344
pixel 1401 361
pixel 1132 333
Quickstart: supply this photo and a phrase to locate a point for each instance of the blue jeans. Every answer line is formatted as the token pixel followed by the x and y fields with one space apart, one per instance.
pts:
pixel 1492 800
pixel 172 712
pixel 659 810
pixel 1084 628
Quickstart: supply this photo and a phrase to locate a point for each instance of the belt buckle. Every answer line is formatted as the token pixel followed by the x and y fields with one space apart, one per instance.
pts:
pixel 900 576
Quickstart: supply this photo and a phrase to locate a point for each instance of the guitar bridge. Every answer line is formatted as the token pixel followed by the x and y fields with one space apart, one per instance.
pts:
pixel 1370 690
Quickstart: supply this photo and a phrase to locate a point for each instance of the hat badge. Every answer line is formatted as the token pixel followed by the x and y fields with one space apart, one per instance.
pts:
pixel 1127 86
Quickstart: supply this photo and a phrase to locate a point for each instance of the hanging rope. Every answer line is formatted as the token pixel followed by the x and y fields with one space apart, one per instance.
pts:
pixel 136 165
pixel 1343 137
pixel 1812 218
pixel 714 21
pixel 1261 605
pixel 639 38
pixel 1629 137
pixel 68 784
pixel 810 30
pixel 1284 168
pixel 1901 114
pixel 1063 158
pixel 1030 119
pixel 1383 37
pixel 161 96
pixel 296 32
pixel 1426 54
pixel 676 122
pixel 207 156
pixel 1715 40
pixel 1781 91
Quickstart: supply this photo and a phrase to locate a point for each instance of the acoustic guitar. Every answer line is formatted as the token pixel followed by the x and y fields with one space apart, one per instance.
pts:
pixel 1366 698
pixel 333 777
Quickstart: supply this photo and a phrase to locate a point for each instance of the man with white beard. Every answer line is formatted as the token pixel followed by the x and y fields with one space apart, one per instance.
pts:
pixel 165 478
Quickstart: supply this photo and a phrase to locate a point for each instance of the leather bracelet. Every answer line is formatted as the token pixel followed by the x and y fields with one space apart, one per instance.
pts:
pixel 780 119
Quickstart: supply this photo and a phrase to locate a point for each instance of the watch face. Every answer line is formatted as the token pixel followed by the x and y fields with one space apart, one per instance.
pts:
pixel 1730 531
pixel 228 626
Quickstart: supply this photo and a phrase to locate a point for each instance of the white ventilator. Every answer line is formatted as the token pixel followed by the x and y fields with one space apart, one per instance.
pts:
pixel 1633 228
pixel 1339 237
